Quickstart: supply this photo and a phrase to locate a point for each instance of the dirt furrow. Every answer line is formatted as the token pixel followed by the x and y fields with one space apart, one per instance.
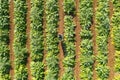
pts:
pixel 111 47
pixel 61 31
pixel 77 43
pixel 28 39
pixel 94 39
pixel 44 34
pixel 11 36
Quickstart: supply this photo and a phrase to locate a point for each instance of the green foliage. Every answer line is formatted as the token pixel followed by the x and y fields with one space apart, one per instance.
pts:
pixel 51 40
pixel 117 61
pixel 116 36
pixel 69 48
pixel 116 24
pixel 69 7
pixel 37 70
pixel 36 37
pixel 86 13
pixel 86 74
pixel 68 75
pixel 86 46
pixel 103 31
pixel 117 77
pixel 20 37
pixel 69 39
pixel 21 73
pixel 103 72
pixel 85 34
pixel 4 40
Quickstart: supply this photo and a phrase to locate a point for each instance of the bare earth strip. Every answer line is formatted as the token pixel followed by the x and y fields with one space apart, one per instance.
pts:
pixel 11 36
pixel 77 43
pixel 44 34
pixel 111 47
pixel 94 38
pixel 28 39
pixel 61 31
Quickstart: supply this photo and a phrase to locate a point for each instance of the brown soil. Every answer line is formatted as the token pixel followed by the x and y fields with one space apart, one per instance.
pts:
pixel 28 39
pixel 44 34
pixel 94 39
pixel 11 36
pixel 111 48
pixel 61 31
pixel 77 43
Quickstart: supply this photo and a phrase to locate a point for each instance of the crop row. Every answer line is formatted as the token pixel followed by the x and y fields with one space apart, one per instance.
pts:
pixel 86 46
pixel 52 67
pixel 36 39
pixel 116 36
pixel 68 43
pixel 102 29
pixel 20 51
pixel 4 40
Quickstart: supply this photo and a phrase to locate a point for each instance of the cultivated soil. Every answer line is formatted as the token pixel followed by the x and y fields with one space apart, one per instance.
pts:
pixel 28 39
pixel 77 42
pixel 61 31
pixel 11 37
pixel 111 47
pixel 94 38
pixel 44 34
